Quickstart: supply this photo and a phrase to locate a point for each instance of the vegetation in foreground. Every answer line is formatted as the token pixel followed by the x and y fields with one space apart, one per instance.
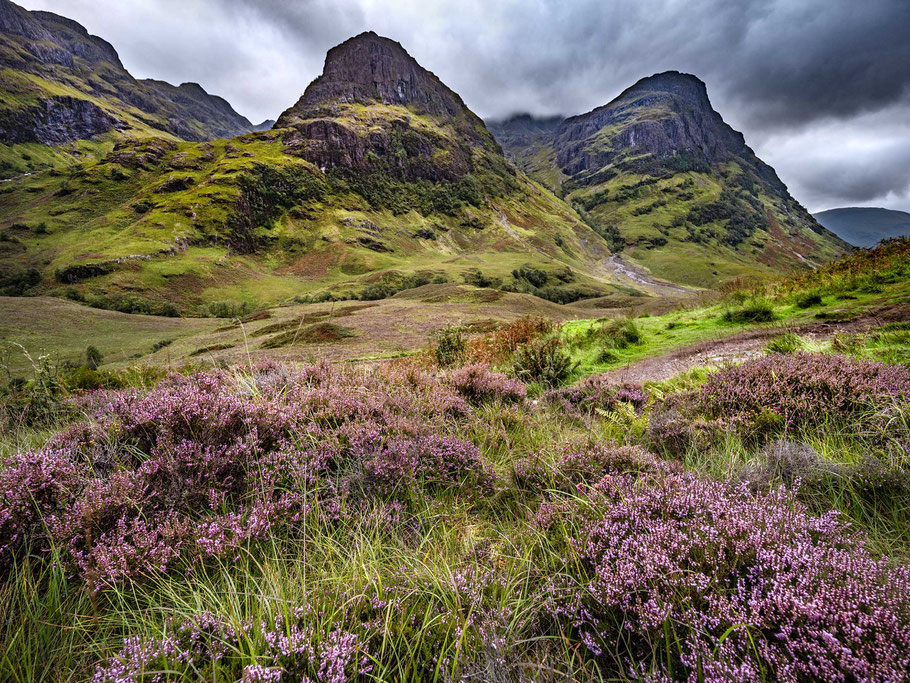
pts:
pixel 416 522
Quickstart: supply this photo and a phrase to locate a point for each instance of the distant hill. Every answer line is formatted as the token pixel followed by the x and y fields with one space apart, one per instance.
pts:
pixel 865 226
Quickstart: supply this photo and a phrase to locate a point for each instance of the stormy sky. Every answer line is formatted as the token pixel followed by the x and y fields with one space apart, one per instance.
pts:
pixel 821 88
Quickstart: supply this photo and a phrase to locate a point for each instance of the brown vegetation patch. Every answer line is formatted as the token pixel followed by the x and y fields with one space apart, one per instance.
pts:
pixel 319 333
pixel 209 349
pixel 313 265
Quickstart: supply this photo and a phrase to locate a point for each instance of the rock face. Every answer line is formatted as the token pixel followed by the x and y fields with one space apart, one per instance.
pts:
pixel 369 68
pixel 523 130
pixel 55 121
pixel 43 51
pixel 374 108
pixel 663 116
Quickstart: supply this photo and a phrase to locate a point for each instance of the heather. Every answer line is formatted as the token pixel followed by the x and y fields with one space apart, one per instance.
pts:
pixel 805 388
pixel 329 523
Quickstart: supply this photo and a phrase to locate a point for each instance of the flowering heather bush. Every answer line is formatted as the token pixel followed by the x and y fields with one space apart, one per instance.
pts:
pixel 201 465
pixel 477 384
pixel 724 585
pixel 587 464
pixel 291 650
pixel 804 388
pixel 33 488
pixel 597 392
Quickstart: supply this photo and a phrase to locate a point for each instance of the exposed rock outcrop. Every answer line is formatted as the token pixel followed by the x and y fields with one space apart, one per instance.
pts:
pixel 56 121
pixel 422 129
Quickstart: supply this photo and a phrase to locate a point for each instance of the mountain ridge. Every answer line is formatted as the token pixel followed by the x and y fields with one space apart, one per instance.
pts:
pixel 660 173
pixel 60 84
pixel 865 226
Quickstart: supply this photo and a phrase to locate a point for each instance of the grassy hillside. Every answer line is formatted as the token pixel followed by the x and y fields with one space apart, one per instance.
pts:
pixel 159 222
pixel 61 86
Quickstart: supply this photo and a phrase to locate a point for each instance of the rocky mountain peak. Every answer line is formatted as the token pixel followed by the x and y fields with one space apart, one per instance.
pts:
pixel 370 68
pixel 681 85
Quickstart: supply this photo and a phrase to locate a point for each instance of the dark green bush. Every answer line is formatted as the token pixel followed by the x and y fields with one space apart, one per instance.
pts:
pixel 93 358
pixel 544 361
pixel 450 348
pixel 754 310
pixel 809 299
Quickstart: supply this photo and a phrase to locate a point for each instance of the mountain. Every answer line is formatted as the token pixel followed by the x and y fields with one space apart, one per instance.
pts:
pixel 60 86
pixel 265 125
pixel 375 109
pixel 659 173
pixel 377 179
pixel 865 226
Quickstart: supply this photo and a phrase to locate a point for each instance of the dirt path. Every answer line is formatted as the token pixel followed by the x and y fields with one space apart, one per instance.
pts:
pixel 640 276
pixel 734 349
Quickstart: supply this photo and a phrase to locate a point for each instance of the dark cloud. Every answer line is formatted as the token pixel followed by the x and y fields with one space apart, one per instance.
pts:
pixel 814 84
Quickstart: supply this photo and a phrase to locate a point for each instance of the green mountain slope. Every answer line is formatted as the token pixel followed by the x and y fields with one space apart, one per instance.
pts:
pixel 60 86
pixel 659 173
pixel 377 179
pixel 865 226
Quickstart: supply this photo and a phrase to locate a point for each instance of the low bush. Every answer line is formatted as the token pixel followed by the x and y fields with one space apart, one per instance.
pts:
pixel 597 393
pixel 804 388
pixel 788 342
pixel 694 577
pixel 477 384
pixel 809 299
pixel 754 310
pixel 450 347
pixel 543 360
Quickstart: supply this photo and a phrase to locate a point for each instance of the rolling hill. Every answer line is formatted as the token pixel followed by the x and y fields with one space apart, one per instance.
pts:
pixel 865 226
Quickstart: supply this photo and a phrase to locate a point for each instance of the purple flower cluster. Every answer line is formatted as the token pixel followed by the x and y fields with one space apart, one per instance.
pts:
pixel 477 384
pixel 290 649
pixel 597 392
pixel 804 388
pixel 726 585
pixel 585 464
pixel 201 465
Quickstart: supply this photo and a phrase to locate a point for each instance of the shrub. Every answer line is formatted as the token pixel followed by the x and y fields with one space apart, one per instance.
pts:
pixel 785 343
pixel 809 299
pixel 93 358
pixel 544 361
pixel 705 581
pixel 169 310
pixel 450 347
pixel 598 393
pixel 498 345
pixel 477 384
pixel 287 647
pixel 804 388
pixel 755 310
pixel 84 378
pixel 620 334
pixel 228 309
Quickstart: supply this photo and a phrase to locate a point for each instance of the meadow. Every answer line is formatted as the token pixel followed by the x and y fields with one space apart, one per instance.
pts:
pixel 497 506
